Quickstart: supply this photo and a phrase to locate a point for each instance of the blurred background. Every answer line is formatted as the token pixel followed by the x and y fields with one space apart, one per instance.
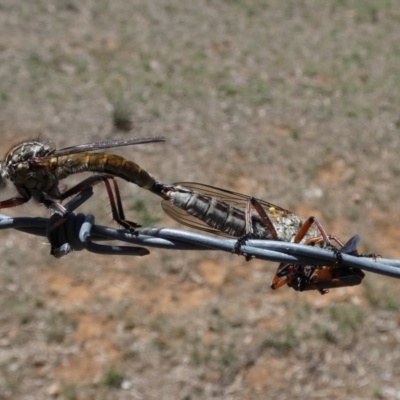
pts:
pixel 294 102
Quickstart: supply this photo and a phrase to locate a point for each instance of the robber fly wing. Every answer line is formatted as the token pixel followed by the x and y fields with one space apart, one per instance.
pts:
pixel 107 144
pixel 184 218
pixel 233 198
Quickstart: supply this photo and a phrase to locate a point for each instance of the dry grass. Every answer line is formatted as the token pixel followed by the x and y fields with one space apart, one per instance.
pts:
pixel 295 102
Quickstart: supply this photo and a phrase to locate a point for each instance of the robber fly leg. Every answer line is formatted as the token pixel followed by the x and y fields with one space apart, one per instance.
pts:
pixel 265 218
pixel 115 202
pixel 250 234
pixel 13 202
pixel 324 238
pixel 374 256
pixel 120 216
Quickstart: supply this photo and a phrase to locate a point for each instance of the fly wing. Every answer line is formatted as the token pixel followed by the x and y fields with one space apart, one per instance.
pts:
pixel 107 144
pixel 184 218
pixel 234 199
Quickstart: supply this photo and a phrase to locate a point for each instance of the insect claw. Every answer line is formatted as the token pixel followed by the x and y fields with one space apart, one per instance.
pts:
pixel 240 242
pixel 374 256
pixel 130 226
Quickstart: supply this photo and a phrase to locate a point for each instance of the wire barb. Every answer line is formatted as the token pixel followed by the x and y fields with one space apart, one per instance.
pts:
pixel 78 232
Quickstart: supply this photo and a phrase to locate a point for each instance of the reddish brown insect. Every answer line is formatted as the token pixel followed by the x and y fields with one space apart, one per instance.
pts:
pixel 321 278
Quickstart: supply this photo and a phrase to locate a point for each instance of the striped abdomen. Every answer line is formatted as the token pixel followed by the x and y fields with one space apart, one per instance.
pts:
pixel 210 214
pixel 104 163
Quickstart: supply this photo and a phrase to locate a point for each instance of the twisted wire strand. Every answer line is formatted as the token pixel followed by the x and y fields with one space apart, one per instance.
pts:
pixel 76 232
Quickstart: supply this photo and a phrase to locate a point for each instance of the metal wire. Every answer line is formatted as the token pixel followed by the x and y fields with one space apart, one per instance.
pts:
pixel 75 232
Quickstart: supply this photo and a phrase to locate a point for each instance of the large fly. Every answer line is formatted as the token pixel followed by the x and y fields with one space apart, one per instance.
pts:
pixel 226 213
pixel 36 167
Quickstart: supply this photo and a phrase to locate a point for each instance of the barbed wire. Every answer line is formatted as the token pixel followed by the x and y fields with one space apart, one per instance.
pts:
pixel 76 232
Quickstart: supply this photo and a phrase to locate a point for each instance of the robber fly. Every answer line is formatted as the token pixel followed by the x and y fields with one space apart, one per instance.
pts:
pixel 228 213
pixel 35 168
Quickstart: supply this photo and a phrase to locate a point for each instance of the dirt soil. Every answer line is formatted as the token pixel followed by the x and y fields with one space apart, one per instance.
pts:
pixel 294 102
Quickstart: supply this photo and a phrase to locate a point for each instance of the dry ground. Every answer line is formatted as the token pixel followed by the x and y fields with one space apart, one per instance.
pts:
pixel 296 102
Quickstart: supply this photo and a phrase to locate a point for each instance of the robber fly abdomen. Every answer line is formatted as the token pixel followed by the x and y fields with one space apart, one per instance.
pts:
pixel 224 213
pixel 107 163
pixel 216 214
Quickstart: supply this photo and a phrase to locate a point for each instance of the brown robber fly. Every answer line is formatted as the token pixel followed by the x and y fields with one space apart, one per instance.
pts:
pixel 232 214
pixel 36 167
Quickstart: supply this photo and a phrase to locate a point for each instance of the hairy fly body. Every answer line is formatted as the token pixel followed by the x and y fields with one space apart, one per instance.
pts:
pixel 36 167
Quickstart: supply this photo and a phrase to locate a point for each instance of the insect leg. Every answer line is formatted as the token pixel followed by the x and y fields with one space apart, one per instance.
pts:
pixel 253 202
pixel 121 214
pixel 249 232
pixel 44 199
pixel 264 216
pixel 306 227
pixel 13 202
pixel 115 202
